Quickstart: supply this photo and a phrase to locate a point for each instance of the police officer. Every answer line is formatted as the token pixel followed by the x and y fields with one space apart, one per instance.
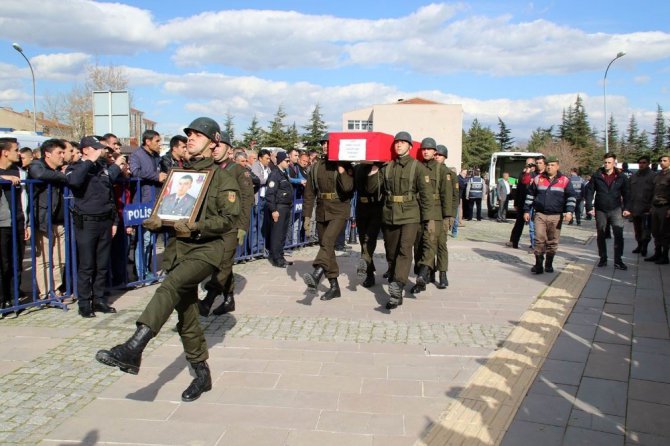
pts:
pixel 94 215
pixel 660 213
pixel 279 201
pixel 223 281
pixel 441 156
pixel 330 186
pixel 368 221
pixel 192 255
pixel 405 186
pixel 439 207
pixel 474 193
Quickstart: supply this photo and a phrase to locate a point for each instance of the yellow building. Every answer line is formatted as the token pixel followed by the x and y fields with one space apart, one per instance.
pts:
pixel 11 120
pixel 420 117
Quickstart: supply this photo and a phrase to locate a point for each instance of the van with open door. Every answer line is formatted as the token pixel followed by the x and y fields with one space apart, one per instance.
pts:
pixel 512 163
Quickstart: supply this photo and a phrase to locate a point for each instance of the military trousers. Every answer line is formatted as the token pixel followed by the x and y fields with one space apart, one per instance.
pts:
pixel 425 247
pixel 368 223
pixel 642 228
pixel 547 232
pixel 442 249
pixel 328 232
pixel 399 241
pixel 179 291
pixel 660 226
pixel 223 281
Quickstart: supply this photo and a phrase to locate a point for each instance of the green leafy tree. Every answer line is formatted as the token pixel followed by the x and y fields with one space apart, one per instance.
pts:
pixel 478 145
pixel 314 130
pixel 540 138
pixel 505 141
pixel 660 133
pixel 229 126
pixel 277 135
pixel 576 130
pixel 254 134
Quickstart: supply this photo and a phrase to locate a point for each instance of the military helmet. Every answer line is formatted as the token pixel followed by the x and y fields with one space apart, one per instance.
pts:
pixel 428 143
pixel 324 138
pixel 225 137
pixel 208 127
pixel 403 136
pixel 442 150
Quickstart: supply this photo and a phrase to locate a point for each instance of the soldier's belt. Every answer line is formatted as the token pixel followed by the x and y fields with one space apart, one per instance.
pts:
pixel 328 196
pixel 401 198
pixel 436 196
pixel 368 200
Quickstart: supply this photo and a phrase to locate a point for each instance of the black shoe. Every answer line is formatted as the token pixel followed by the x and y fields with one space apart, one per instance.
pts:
pixel 664 258
pixel 655 257
pixel 395 290
pixel 637 250
pixel 227 306
pixel 416 289
pixel 643 251
pixel 200 384
pixel 618 264
pixel 333 291
pixel 423 276
pixel 86 312
pixel 205 305
pixel 287 262
pixel 312 279
pixel 444 282
pixel 602 262
pixel 538 268
pixel 278 263
pixel 369 280
pixel 103 307
pixel 549 263
pixel 127 356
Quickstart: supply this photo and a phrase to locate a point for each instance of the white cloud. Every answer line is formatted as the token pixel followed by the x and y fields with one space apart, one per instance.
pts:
pixel 10 95
pixel 84 25
pixel 643 79
pixel 60 66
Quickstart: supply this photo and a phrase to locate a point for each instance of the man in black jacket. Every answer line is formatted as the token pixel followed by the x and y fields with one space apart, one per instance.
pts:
pixel 279 202
pixel 612 194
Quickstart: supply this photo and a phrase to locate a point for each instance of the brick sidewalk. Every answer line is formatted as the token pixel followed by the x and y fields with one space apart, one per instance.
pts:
pixel 288 368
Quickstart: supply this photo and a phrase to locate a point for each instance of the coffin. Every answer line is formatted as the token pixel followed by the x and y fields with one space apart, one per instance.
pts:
pixel 363 147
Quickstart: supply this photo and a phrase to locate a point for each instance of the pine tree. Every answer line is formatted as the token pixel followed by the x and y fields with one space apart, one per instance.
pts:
pixel 478 145
pixel 314 130
pixel 630 143
pixel 292 137
pixel 228 126
pixel 540 138
pixel 505 141
pixel 277 136
pixel 612 135
pixel 660 132
pixel 254 134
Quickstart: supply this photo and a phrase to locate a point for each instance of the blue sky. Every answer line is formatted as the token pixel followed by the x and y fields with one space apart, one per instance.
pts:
pixel 521 61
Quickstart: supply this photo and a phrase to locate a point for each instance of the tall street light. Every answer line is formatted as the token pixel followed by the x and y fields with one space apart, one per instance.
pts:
pixel 18 48
pixel 619 55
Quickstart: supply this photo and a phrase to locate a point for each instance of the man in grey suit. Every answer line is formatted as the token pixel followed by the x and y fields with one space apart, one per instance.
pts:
pixel 180 203
pixel 503 189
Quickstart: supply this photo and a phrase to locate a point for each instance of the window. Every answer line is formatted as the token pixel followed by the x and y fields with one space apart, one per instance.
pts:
pixel 359 125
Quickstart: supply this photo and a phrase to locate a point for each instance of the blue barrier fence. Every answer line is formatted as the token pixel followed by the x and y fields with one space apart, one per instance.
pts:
pixel 61 250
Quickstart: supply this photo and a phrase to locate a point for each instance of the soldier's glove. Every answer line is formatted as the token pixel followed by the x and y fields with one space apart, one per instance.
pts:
pixel 240 236
pixel 447 223
pixel 184 229
pixel 152 223
pixel 307 224
pixel 430 227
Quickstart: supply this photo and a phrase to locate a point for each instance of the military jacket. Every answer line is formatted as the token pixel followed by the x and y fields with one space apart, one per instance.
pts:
pixel 641 191
pixel 406 191
pixel 452 177
pixel 330 190
pixel 440 193
pixel 365 198
pixel 662 188
pixel 243 177
pixel 220 208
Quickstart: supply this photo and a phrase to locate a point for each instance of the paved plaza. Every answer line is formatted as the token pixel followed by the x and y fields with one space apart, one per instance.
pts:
pixel 501 356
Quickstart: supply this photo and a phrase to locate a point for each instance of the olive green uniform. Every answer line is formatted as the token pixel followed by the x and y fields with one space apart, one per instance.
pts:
pixel 440 206
pixel 331 192
pixel 190 260
pixel 660 223
pixel 223 281
pixel 443 236
pixel 406 193
pixel 368 213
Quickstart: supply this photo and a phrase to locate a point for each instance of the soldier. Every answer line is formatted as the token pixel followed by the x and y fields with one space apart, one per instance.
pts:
pixel 549 194
pixel 191 256
pixel 441 156
pixel 223 282
pixel 330 185
pixel 660 214
pixel 641 195
pixel 405 185
pixel 279 198
pixel 368 221
pixel 440 206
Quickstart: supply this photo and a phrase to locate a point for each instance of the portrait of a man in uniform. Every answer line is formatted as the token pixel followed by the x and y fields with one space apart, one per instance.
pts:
pixel 180 196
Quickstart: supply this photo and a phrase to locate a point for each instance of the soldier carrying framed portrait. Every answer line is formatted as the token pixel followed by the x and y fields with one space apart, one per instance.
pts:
pixel 182 195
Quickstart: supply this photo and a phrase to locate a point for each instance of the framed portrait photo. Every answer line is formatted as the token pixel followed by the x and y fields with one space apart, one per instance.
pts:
pixel 182 195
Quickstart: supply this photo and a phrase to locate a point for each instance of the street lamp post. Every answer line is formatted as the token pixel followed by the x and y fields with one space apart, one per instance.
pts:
pixel 18 48
pixel 619 55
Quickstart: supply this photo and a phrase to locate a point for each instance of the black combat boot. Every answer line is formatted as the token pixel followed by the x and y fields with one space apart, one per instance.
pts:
pixel 312 279
pixel 432 276
pixel 663 260
pixel 538 269
pixel 333 291
pixel 643 248
pixel 206 304
pixel 656 256
pixel 127 356
pixel 424 276
pixel 369 277
pixel 637 250
pixel 201 383
pixel 227 306
pixel 416 289
pixel 395 290
pixel 444 282
pixel 548 264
